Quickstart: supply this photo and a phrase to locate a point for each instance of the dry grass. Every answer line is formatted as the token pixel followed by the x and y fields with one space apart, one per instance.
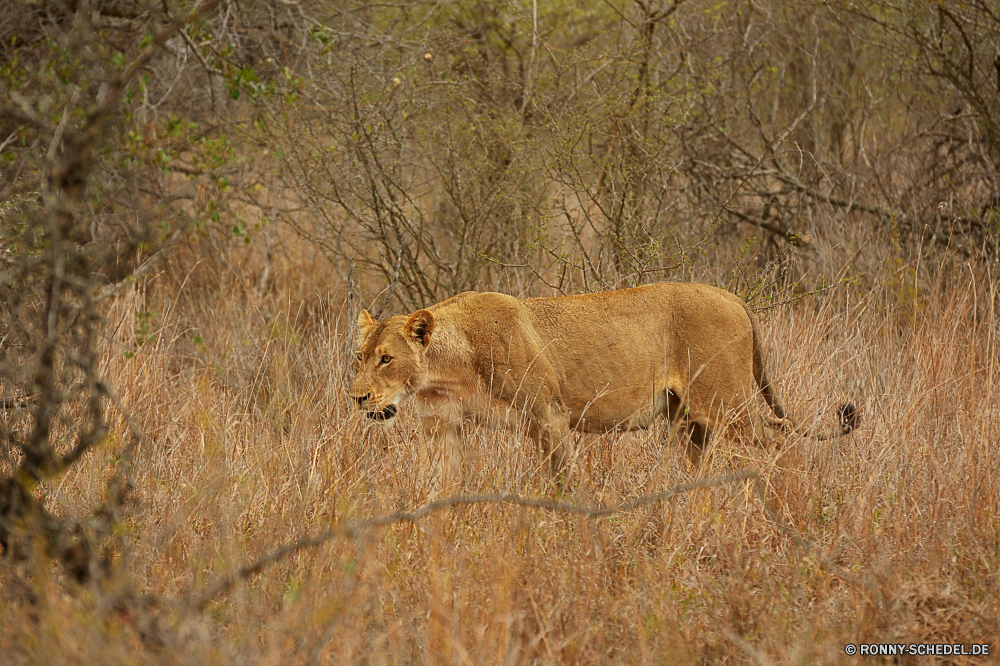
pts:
pixel 895 530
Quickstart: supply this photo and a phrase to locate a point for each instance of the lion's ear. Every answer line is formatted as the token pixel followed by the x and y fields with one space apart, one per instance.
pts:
pixel 365 323
pixel 419 327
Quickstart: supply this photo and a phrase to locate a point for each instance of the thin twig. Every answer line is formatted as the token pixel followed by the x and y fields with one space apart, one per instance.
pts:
pixel 14 402
pixel 787 234
pixel 7 140
pixel 194 47
pixel 836 201
pixel 392 283
pixel 61 127
pixel 132 278
pixel 793 299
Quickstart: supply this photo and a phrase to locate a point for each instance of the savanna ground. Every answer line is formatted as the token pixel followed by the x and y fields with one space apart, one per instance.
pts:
pixel 192 220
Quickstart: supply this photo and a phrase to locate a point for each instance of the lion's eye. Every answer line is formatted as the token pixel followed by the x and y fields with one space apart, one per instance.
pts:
pixel 357 357
pixel 386 358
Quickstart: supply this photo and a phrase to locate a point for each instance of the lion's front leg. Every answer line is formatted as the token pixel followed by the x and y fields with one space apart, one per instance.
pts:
pixel 549 427
pixel 440 446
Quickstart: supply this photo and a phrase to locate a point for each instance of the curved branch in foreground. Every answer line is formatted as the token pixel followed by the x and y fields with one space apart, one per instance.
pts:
pixel 355 528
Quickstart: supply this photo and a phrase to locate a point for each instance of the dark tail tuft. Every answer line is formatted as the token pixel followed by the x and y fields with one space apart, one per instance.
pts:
pixel 850 417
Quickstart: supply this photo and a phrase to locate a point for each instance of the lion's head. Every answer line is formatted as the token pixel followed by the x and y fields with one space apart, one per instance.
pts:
pixel 389 362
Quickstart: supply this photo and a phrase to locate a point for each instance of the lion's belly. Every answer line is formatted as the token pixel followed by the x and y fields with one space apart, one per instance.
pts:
pixel 623 409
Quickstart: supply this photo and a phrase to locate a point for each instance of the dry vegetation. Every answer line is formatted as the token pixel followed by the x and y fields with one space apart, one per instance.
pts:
pixel 188 226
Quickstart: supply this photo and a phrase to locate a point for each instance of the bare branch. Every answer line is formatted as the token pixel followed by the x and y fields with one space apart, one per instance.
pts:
pixel 787 234
pixel 836 201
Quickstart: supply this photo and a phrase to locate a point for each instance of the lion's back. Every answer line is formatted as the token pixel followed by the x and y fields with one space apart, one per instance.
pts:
pixel 630 320
pixel 606 354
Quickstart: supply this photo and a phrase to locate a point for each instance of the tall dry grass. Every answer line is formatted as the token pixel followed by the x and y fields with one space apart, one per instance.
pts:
pixel 891 534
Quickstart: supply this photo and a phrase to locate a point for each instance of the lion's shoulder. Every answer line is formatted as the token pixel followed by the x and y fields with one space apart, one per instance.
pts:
pixel 457 298
pixel 476 303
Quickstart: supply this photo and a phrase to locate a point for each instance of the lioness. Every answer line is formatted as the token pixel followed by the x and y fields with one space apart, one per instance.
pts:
pixel 596 362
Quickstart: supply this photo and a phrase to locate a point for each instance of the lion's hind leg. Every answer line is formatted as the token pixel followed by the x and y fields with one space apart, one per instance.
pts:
pixel 695 433
pixel 756 427
pixel 698 436
pixel 739 425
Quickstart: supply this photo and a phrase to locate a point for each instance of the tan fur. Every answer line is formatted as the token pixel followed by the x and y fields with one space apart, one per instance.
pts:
pixel 596 362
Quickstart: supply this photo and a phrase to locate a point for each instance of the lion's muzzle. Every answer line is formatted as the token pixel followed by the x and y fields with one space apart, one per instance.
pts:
pixel 384 415
pixel 368 404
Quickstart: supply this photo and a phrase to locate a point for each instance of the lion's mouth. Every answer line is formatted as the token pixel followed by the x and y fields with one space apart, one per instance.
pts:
pixel 383 415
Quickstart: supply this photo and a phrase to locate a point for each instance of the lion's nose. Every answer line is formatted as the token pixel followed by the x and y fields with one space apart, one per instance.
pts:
pixel 362 399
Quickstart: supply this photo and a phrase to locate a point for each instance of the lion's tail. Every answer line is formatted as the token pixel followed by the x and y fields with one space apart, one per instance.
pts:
pixel 848 412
